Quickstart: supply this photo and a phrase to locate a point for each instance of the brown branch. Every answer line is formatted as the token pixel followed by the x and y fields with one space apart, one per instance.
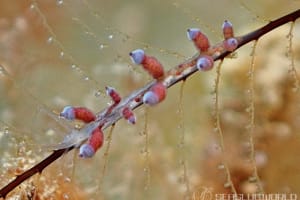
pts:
pixel 106 119
pixel 30 172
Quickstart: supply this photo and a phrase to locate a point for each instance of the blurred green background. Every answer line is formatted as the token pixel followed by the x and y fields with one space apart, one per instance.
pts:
pixel 60 53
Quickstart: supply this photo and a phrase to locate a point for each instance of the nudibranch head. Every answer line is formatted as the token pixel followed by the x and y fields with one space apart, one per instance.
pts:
pixel 137 56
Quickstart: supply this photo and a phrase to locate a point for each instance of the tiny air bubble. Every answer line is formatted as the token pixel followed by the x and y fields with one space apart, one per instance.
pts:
pixel 50 40
pixel 67 179
pixel 59 2
pixel 252 179
pixel 110 37
pixel 97 94
pixel 101 46
pixel 32 6
pixel 227 185
pixel 221 166
pixel 77 126
pixel 6 131
pixel 66 196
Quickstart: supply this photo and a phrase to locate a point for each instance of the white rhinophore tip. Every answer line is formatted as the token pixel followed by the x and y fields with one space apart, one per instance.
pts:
pixel 192 33
pixel 137 56
pixel 150 98
pixel 68 113
pixel 205 63
pixel 86 151
pixel 109 90
pixel 226 24
pixel 132 119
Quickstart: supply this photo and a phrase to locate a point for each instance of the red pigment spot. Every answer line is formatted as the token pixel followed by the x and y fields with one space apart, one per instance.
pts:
pixel 128 115
pixel 137 99
pixel 153 67
pixel 84 114
pixel 201 42
pixel 96 139
pixel 160 90
pixel 113 95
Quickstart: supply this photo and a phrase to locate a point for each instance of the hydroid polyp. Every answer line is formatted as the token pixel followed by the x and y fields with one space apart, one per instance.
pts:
pixel 149 63
pixel 80 113
pixel 129 115
pixel 230 43
pixel 155 95
pixel 110 91
pixel 205 63
pixel 227 30
pixel 94 143
pixel 200 39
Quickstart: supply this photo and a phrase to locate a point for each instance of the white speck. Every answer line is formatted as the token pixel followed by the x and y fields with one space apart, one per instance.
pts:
pixel 221 166
pixel 67 179
pixel 73 66
pixel 97 94
pixel 62 54
pixel 59 2
pixel 261 159
pixel 50 132
pixel 227 185
pixel 6 131
pixel 101 46
pixel 50 40
pixel 32 6
pixel 66 196
pixel 110 37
